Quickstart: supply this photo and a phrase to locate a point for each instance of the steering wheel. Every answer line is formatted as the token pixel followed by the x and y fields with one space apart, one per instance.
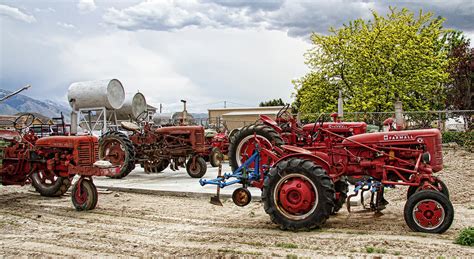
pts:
pixel 314 135
pixel 24 121
pixel 141 117
pixel 284 114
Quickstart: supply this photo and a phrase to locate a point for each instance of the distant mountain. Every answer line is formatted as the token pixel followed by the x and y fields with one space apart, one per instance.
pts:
pixel 22 103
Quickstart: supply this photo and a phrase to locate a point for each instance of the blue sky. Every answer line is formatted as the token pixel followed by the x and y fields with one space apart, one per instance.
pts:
pixel 204 51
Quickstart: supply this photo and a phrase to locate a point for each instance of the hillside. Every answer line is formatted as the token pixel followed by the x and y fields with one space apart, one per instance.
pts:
pixel 22 103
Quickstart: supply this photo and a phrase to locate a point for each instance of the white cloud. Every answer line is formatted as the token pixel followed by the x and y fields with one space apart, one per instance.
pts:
pixel 45 10
pixel 66 25
pixel 86 6
pixel 16 14
pixel 296 17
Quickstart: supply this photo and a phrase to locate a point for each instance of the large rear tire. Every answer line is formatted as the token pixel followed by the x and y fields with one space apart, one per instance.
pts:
pixel 242 144
pixel 298 194
pixel 117 148
pixel 50 185
pixel 429 211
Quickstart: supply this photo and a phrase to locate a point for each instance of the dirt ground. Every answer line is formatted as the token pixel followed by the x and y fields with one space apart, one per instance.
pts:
pixel 126 224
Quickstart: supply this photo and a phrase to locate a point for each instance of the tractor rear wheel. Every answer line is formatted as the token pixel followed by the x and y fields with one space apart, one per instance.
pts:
pixel 215 157
pixel 341 187
pixel 84 195
pixel 155 166
pixel 438 184
pixel 197 170
pixel 50 185
pixel 117 148
pixel 429 211
pixel 242 144
pixel 298 194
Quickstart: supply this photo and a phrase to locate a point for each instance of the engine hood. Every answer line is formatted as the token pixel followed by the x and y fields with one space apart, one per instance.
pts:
pixel 394 137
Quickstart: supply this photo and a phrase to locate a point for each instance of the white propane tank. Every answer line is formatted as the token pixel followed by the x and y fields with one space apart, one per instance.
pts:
pixel 133 106
pixel 107 93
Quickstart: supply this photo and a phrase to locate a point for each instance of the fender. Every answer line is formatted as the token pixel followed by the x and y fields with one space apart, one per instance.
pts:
pixel 316 159
pixel 270 122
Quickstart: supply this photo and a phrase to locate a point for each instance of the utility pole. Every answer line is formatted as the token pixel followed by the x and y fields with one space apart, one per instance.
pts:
pixel 161 107
pixel 225 104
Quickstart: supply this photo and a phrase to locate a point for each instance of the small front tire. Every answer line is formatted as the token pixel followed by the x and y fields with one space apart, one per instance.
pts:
pixel 429 211
pixel 85 197
pixel 197 170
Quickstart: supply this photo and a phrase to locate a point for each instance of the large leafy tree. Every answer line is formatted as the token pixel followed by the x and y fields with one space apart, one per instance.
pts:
pixel 273 102
pixel 460 88
pixel 397 57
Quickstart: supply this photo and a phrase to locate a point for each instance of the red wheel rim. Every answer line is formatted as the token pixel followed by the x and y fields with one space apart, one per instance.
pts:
pixel 80 195
pixel 295 196
pixel 114 152
pixel 428 214
pixel 246 148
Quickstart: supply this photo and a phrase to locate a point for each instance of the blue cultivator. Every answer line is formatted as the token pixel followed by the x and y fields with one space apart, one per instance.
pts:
pixel 245 175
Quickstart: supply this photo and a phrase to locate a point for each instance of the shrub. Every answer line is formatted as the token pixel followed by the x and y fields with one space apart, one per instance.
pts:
pixel 466 237
pixel 464 139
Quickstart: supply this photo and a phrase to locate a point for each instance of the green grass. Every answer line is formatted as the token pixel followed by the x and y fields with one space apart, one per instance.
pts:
pixel 286 245
pixel 397 253
pixel 376 250
pixel 466 237
pixel 291 256
pixel 232 251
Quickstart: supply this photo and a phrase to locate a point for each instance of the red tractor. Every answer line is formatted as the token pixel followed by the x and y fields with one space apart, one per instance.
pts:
pixel 286 130
pixel 50 163
pixel 302 188
pixel 218 144
pixel 155 149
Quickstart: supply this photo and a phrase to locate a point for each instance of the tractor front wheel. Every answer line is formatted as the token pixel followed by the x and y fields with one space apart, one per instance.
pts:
pixel 215 157
pixel 197 169
pixel 84 195
pixel 50 185
pixel 117 148
pixel 298 194
pixel 429 211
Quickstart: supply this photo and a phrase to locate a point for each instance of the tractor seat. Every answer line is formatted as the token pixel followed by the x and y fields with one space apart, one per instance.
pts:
pixel 129 126
pixel 293 149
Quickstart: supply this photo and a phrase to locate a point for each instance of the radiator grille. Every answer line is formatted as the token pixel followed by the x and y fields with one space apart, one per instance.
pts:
pixel 84 153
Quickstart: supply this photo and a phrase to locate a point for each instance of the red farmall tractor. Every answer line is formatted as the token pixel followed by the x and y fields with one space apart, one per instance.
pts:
pixel 50 163
pixel 302 188
pixel 286 130
pixel 155 149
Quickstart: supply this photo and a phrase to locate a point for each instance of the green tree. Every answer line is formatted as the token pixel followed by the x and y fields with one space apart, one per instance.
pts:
pixel 274 102
pixel 375 63
pixel 461 70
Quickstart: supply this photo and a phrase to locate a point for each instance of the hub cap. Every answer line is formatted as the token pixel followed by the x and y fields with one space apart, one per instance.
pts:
pixel 428 214
pixel 246 148
pixel 295 196
pixel 114 152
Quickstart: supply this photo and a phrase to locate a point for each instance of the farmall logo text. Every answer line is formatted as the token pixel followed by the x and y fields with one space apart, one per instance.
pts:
pixel 397 137
pixel 337 126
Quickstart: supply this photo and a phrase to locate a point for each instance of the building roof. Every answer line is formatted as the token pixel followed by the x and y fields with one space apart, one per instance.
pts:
pixel 149 107
pixel 261 112
pixel 248 108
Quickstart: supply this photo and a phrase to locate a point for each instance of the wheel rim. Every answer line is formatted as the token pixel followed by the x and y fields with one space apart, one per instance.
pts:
pixel 215 157
pixel 295 196
pixel 246 148
pixel 114 152
pixel 428 214
pixel 196 169
pixel 81 195
pixel 47 178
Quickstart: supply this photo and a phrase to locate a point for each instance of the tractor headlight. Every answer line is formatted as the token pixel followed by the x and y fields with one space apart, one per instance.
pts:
pixel 426 157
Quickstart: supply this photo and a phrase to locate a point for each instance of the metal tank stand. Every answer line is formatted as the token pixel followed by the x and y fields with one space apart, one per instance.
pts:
pixel 98 119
